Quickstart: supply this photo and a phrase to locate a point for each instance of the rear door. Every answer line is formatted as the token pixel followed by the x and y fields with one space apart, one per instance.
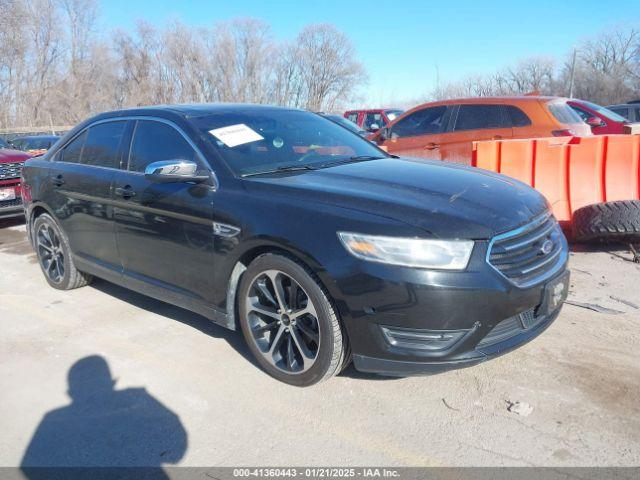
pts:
pixel 419 134
pixel 474 122
pixel 80 195
pixel 164 231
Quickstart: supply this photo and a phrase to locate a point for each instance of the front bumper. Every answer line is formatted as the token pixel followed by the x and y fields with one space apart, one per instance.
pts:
pixel 11 208
pixel 14 207
pixel 381 301
pixel 469 358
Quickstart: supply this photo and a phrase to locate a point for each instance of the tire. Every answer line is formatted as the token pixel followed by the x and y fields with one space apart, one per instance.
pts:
pixel 54 255
pixel 280 337
pixel 609 221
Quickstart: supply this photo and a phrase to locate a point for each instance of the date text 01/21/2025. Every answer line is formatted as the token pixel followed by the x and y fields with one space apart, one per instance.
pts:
pixel 316 472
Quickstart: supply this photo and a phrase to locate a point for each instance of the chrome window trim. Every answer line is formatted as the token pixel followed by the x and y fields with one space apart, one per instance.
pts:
pixel 562 257
pixel 203 162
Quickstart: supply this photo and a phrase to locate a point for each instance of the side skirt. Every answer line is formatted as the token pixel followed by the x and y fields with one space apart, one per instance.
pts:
pixel 115 275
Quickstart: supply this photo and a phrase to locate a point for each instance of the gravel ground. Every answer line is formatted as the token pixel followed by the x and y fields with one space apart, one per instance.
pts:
pixel 187 392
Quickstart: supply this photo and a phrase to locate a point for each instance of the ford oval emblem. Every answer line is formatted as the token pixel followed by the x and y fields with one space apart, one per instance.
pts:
pixel 546 247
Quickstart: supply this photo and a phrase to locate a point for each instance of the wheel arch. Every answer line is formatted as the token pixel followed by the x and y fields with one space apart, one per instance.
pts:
pixel 35 210
pixel 265 246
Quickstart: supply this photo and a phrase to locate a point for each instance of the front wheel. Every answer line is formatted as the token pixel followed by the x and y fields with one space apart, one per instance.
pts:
pixel 54 255
pixel 288 321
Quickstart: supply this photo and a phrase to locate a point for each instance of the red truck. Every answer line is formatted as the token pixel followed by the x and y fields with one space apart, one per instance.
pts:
pixel 373 119
pixel 11 162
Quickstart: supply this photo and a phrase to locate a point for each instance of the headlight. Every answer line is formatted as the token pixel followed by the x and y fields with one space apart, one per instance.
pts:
pixel 409 252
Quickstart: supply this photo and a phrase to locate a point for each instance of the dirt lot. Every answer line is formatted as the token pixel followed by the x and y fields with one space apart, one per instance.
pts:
pixel 187 392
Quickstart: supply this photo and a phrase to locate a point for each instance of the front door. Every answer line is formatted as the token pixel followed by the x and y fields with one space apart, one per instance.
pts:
pixel 164 231
pixel 80 192
pixel 419 134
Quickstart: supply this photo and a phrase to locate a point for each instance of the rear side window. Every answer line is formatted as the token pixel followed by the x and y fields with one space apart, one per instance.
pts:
pixel 563 113
pixel 423 122
pixel 353 116
pixel 516 116
pixel 477 117
pixel 156 141
pixel 102 145
pixel 72 153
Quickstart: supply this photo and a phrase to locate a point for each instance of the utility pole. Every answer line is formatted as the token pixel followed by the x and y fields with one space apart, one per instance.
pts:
pixel 573 73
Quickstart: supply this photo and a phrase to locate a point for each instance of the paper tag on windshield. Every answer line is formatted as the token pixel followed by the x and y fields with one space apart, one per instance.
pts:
pixel 234 135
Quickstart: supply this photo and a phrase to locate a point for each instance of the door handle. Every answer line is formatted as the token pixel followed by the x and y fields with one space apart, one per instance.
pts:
pixel 125 192
pixel 58 181
pixel 497 137
pixel 431 146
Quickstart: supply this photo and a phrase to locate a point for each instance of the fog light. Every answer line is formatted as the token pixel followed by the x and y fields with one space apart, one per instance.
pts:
pixel 424 340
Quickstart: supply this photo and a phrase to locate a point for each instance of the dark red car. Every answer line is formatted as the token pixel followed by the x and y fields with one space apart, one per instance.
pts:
pixel 373 119
pixel 601 120
pixel 11 162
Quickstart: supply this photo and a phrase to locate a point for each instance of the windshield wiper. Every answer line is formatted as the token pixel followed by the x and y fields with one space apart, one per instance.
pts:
pixel 354 159
pixel 295 168
pixel 284 168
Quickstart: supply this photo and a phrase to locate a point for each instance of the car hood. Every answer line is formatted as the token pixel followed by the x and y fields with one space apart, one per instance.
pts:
pixel 445 200
pixel 8 155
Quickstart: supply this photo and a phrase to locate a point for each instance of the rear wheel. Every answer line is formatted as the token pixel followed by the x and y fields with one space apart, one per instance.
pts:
pixel 609 221
pixel 289 322
pixel 54 255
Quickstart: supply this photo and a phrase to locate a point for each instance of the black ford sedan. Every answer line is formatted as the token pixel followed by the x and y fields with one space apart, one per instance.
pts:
pixel 319 246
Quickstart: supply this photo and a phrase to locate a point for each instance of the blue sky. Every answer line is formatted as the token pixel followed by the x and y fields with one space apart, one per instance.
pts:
pixel 407 45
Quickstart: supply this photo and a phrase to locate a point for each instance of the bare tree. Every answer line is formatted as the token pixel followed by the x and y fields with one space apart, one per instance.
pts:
pixel 329 70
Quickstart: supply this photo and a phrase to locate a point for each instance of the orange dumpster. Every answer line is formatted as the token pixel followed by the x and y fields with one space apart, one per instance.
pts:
pixel 571 172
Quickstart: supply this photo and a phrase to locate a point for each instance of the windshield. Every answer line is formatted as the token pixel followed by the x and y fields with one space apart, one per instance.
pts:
pixel 3 144
pixel 611 115
pixel 267 140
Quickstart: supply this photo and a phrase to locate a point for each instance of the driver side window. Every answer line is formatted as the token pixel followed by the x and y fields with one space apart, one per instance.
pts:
pixel 423 122
pixel 156 141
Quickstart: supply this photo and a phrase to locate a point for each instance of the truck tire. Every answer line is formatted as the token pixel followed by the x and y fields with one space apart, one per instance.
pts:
pixel 609 221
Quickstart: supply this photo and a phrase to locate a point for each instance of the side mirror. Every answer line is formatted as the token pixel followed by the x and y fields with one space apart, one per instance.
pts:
pixel 595 122
pixel 173 171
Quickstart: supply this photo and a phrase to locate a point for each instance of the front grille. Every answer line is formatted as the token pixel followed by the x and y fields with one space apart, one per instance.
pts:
pixel 10 170
pixel 511 327
pixel 529 254
pixel 11 203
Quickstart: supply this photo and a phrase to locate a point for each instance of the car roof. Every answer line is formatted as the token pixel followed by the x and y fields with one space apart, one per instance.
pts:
pixel 500 100
pixel 196 109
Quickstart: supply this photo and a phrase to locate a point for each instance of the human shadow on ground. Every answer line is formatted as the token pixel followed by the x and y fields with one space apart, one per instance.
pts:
pixel 104 427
